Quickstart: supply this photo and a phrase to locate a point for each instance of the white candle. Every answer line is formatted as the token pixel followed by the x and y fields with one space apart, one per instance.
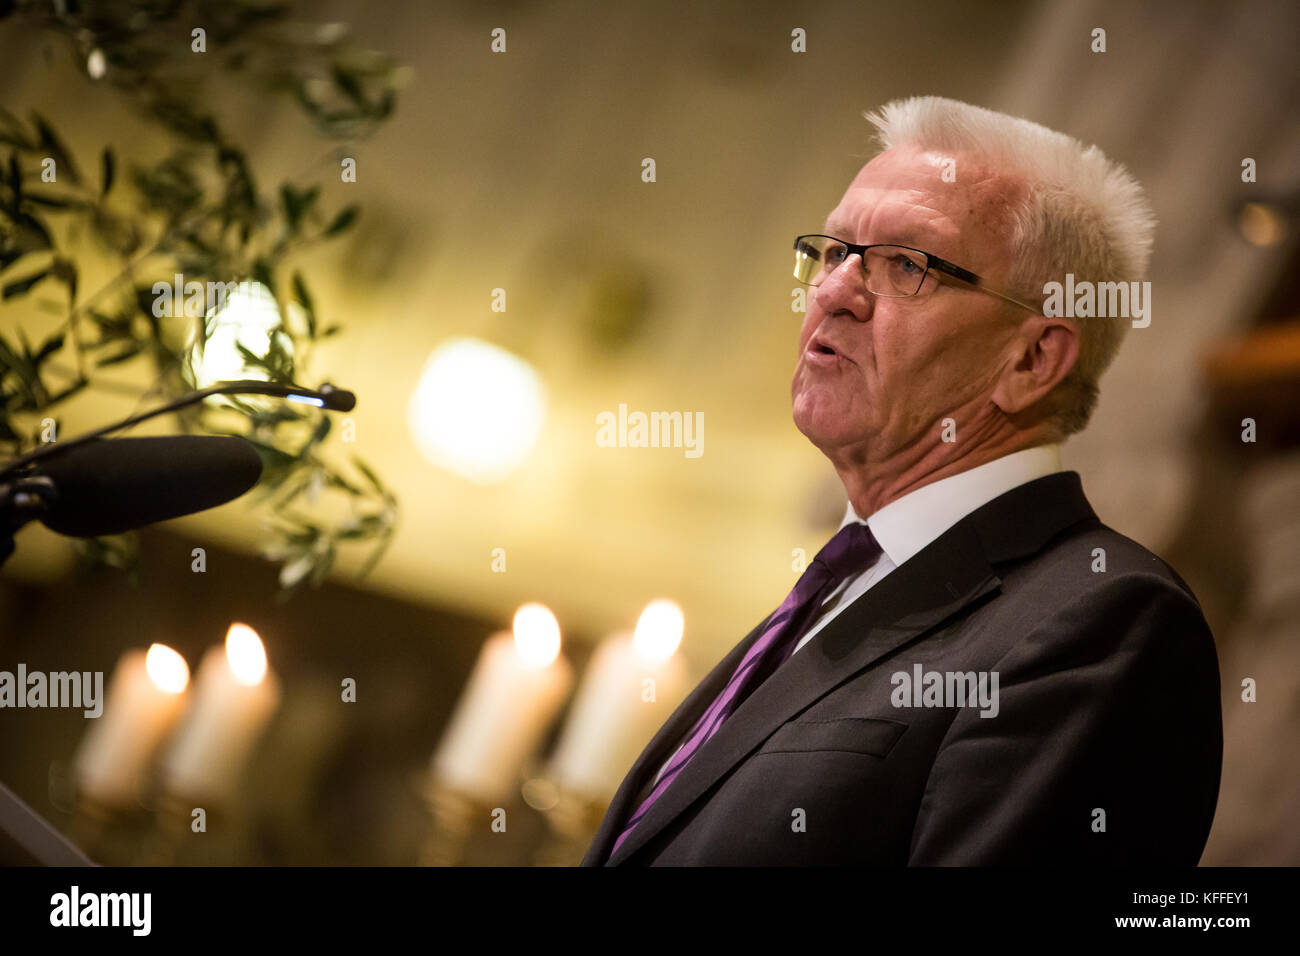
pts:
pixel 628 690
pixel 235 694
pixel 145 695
pixel 513 693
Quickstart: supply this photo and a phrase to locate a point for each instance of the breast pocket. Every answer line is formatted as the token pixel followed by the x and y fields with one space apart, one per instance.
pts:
pixel 862 735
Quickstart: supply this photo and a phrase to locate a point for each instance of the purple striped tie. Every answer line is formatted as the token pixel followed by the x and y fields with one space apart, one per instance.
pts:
pixel 851 551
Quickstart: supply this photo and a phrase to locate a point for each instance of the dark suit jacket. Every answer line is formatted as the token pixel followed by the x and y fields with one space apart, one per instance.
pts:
pixel 1106 748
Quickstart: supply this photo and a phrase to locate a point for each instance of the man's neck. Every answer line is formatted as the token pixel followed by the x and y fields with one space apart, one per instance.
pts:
pixel 872 485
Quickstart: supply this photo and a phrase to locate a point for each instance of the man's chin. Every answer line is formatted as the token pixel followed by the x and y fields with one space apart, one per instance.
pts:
pixel 821 427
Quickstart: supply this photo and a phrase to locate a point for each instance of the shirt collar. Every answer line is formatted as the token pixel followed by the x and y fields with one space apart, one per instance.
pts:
pixel 906 525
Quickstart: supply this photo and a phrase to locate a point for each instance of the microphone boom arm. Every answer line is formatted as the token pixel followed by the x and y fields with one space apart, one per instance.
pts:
pixel 328 397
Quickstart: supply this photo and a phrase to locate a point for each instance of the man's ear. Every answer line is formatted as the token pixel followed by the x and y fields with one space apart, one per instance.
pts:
pixel 1042 353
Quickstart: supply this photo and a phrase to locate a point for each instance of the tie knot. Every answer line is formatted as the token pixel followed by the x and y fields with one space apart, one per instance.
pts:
pixel 850 551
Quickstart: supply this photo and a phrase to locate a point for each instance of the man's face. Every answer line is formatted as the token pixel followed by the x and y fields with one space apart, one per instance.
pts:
pixel 876 375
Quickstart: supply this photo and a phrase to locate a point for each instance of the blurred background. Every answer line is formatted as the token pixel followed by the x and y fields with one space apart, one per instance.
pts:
pixel 512 248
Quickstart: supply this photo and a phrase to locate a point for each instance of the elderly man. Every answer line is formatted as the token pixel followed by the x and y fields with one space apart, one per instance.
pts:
pixel 974 670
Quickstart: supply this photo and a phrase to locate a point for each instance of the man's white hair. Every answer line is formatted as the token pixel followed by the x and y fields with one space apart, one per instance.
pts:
pixel 1080 213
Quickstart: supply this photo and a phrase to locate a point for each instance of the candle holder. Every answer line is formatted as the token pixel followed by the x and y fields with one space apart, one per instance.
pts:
pixel 107 830
pixel 93 827
pixel 110 834
pixel 571 826
pixel 451 813
pixel 166 842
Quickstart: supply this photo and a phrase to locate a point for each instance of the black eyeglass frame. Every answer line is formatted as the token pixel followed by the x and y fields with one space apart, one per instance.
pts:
pixel 931 262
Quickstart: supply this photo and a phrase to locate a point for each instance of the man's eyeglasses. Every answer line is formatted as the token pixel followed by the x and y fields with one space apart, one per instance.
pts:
pixel 889 270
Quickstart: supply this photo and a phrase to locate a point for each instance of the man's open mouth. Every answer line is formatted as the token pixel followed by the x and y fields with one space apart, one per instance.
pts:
pixel 820 352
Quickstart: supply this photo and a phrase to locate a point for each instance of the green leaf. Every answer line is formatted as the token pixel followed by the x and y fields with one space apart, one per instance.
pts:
pixel 23 286
pixel 300 292
pixel 304 299
pixel 31 394
pixel 111 327
pixel 144 302
pixel 50 141
pixel 322 428
pixel 65 270
pixel 293 487
pixel 375 555
pixel 338 481
pixel 371 477
pixel 293 572
pixel 349 84
pixel 296 204
pixel 71 390
pixel 323 566
pixel 271 456
pixel 48 347
pixel 251 357
pixel 15 180
pixel 119 234
pixel 279 363
pixel 261 272
pixel 126 353
pixel 342 221
pixel 33 234
pixel 106 171
pixel 171 185
pixel 13 132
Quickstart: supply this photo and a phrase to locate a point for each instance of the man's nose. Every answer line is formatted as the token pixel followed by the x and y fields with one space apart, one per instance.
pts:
pixel 845 290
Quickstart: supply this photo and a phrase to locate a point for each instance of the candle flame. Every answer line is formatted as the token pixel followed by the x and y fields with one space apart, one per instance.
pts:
pixel 245 654
pixel 537 635
pixel 659 630
pixel 166 669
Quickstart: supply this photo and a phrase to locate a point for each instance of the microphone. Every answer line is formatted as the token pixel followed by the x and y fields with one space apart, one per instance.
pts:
pixel 142 479
pixel 327 397
pixel 109 486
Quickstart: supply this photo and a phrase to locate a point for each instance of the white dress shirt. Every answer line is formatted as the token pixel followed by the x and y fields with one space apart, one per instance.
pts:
pixel 906 525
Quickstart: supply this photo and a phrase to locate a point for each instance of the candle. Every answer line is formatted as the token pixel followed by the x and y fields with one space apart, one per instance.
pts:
pixel 144 698
pixel 235 694
pixel 513 693
pixel 615 714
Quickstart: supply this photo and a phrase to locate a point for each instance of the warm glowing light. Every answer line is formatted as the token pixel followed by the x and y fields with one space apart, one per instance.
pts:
pixel 537 634
pixel 247 317
pixel 477 410
pixel 166 669
pixel 540 793
pixel 1261 224
pixel 659 630
pixel 245 654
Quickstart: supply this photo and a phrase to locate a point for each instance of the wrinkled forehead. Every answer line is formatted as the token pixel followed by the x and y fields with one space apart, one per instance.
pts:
pixel 954 206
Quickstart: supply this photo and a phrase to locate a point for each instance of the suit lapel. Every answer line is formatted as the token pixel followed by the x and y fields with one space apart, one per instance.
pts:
pixel 937 583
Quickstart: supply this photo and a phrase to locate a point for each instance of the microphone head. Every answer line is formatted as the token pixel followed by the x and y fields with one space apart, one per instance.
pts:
pixel 337 399
pixel 108 486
